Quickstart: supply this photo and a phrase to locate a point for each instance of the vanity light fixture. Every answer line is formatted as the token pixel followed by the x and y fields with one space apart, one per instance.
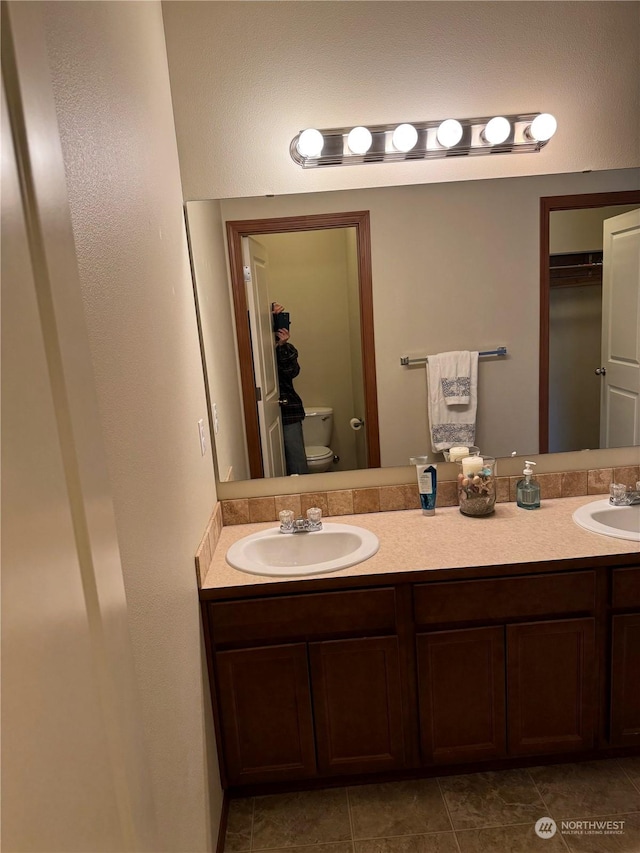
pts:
pixel 404 137
pixel 359 140
pixel 449 133
pixel 310 143
pixel 424 140
pixel 496 131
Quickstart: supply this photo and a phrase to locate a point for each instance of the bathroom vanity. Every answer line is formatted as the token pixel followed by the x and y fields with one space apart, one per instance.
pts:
pixel 463 643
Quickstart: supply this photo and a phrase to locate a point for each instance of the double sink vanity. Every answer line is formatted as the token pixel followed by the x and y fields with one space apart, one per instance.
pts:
pixel 459 643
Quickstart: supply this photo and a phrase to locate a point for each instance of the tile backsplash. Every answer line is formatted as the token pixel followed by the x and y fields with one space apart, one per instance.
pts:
pixel 399 497
pixel 595 481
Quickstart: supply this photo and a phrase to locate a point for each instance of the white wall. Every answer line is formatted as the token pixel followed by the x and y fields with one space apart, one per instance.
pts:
pixel 247 77
pixel 217 329
pixel 308 274
pixel 110 79
pixel 455 266
pixel 580 230
pixel 575 333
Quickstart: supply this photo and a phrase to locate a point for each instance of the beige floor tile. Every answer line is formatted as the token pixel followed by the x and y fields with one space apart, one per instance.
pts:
pixel 589 789
pixel 631 767
pixel 397 808
pixel 435 842
pixel 334 847
pixel 508 839
pixel 627 842
pixel 239 820
pixel 301 818
pixel 491 799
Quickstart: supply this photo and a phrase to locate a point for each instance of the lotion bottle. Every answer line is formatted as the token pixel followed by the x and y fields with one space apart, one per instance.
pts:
pixel 528 489
pixel 427 474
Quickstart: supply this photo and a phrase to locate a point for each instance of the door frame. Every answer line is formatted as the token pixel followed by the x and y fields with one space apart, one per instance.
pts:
pixel 548 204
pixel 236 230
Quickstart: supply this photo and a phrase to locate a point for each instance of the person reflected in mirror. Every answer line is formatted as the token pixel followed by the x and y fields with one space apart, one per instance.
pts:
pixel 291 405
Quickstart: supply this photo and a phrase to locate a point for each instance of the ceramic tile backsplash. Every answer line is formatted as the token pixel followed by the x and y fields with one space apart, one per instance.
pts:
pixel 340 503
pixel 207 546
pixel 262 509
pixel 599 480
pixel 628 475
pixel 389 498
pixel 366 500
pixel 574 483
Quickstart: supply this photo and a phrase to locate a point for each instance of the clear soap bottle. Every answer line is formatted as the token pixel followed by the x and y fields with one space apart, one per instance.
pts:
pixel 528 489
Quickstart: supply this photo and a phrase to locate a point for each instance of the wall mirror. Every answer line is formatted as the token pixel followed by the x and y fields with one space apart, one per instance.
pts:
pixel 453 266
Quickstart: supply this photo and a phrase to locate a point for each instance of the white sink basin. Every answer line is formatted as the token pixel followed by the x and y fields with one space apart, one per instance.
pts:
pixel 621 522
pixel 272 553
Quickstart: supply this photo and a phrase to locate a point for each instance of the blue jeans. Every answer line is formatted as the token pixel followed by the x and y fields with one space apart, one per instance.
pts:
pixel 294 452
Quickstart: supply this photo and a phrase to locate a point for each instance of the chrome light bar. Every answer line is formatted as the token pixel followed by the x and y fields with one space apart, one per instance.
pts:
pixel 526 133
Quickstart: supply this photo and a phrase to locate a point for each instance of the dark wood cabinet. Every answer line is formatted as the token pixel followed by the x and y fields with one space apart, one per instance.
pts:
pixel 448 669
pixel 357 705
pixel 625 680
pixel 551 686
pixel 264 701
pixel 459 671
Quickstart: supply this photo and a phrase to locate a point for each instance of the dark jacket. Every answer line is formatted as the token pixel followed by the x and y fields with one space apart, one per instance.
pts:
pixel 288 368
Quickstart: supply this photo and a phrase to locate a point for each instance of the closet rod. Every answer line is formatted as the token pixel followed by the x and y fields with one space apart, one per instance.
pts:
pixel 405 360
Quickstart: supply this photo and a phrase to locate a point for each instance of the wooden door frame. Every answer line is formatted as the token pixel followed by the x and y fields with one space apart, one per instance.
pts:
pixel 549 204
pixel 236 230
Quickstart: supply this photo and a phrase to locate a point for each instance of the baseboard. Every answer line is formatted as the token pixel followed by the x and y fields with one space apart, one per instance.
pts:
pixel 222 829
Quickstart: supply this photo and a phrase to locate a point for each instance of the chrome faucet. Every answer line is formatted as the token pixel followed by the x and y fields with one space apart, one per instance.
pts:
pixel 623 496
pixel 289 524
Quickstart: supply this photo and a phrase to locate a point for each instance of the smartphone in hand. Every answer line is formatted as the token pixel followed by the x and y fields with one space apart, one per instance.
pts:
pixel 281 321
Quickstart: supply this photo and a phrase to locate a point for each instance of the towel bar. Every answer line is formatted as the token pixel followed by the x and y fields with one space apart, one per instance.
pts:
pixel 405 360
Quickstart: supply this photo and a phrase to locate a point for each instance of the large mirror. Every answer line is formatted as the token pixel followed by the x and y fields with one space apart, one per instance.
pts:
pixel 454 266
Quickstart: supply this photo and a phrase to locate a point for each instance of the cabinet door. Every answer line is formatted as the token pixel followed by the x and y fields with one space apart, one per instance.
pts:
pixel 265 713
pixel 551 686
pixel 357 705
pixel 461 693
pixel 625 681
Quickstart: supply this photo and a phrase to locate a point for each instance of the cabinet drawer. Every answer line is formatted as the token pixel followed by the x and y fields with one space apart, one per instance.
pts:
pixel 504 598
pixel 625 588
pixel 302 616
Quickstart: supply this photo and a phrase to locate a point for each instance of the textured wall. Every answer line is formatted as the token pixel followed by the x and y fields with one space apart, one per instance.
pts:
pixel 455 266
pixel 109 71
pixel 246 77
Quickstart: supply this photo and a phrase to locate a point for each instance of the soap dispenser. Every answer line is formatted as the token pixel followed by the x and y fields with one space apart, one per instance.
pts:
pixel 528 489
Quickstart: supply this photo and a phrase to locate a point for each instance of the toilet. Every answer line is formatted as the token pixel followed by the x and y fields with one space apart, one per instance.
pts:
pixel 316 430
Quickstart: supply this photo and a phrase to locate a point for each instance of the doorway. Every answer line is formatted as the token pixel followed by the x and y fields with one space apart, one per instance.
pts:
pixel 236 231
pixel 585 264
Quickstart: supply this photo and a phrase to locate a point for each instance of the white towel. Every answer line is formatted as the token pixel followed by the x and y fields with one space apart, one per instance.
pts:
pixel 455 376
pixel 452 421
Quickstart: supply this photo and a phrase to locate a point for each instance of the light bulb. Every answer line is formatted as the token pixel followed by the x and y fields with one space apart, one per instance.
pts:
pixel 310 143
pixel 404 137
pixel 359 140
pixel 497 130
pixel 449 133
pixel 543 127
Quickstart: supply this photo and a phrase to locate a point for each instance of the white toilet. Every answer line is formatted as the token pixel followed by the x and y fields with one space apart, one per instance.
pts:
pixel 316 429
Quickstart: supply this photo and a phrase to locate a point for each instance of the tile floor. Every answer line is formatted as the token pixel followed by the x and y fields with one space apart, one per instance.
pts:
pixel 476 813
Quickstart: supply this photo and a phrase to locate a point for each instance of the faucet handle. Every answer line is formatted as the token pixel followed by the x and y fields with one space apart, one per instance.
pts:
pixel 617 492
pixel 286 519
pixel 314 514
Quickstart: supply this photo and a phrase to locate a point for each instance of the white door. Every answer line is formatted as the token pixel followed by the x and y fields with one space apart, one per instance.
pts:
pixel 620 355
pixel 74 764
pixel 256 261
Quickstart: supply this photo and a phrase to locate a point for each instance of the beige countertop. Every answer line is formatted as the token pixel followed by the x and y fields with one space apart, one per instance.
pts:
pixel 412 542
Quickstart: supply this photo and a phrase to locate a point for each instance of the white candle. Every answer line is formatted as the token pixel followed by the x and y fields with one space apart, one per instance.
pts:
pixel 472 465
pixel 458 453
